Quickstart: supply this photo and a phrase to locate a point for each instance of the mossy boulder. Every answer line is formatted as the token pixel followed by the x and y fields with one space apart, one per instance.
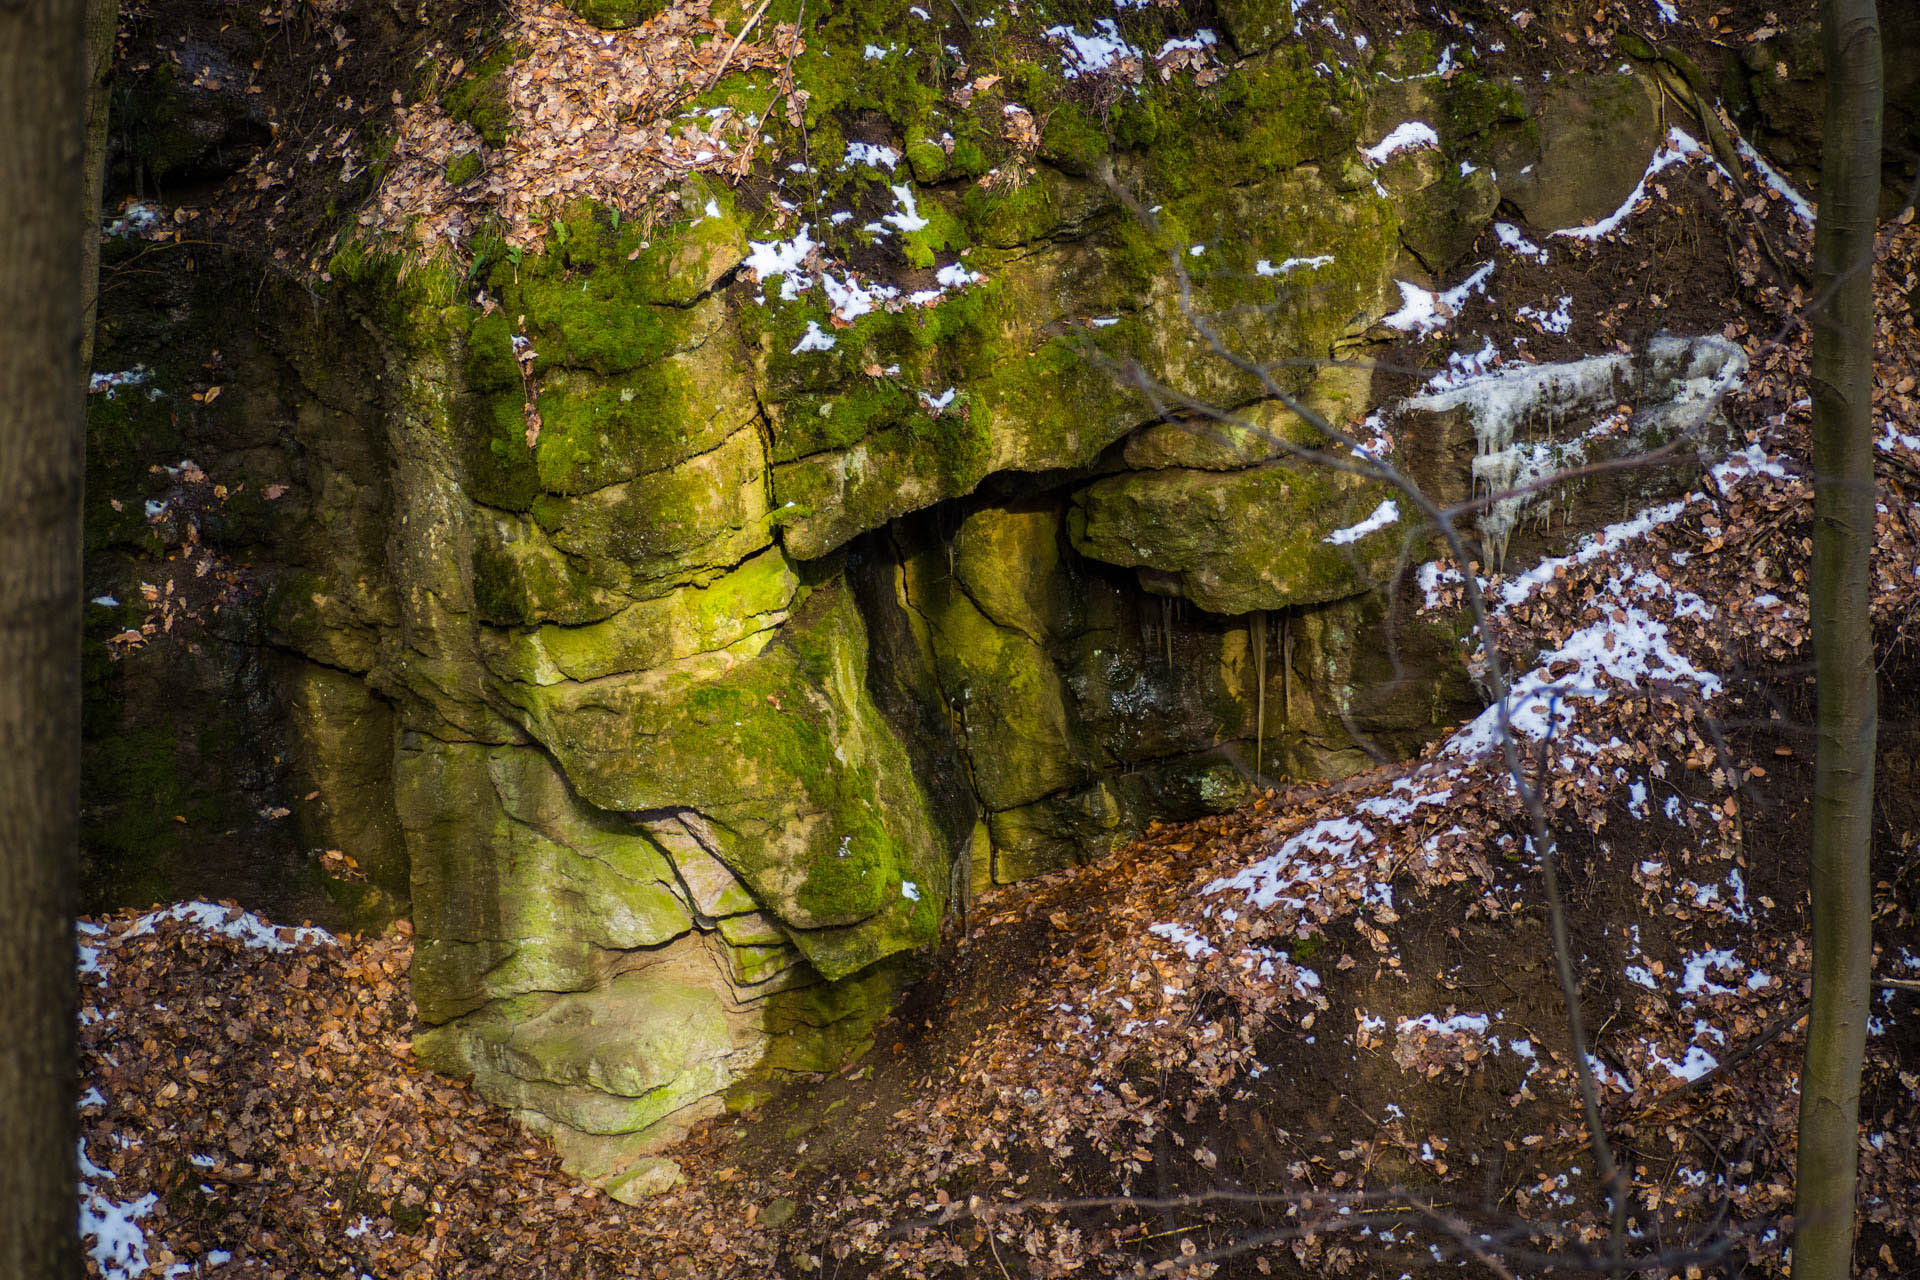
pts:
pixel 1013 703
pixel 1273 537
pixel 643 537
pixel 1062 831
pixel 1009 562
pixel 616 1060
pixel 685 622
pixel 343 747
pixel 1590 141
pixel 778 745
pixel 518 886
pixel 906 410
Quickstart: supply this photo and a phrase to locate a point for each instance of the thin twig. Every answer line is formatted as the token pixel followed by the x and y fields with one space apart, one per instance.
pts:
pixel 734 47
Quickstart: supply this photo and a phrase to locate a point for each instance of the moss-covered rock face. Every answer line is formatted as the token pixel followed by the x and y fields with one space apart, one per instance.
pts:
pixel 776 742
pixel 1274 537
pixel 679 617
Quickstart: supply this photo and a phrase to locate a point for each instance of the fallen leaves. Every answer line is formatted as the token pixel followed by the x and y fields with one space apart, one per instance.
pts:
pixel 592 115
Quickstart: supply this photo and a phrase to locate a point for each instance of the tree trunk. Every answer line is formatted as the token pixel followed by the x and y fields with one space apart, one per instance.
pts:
pixel 1843 517
pixel 102 20
pixel 43 114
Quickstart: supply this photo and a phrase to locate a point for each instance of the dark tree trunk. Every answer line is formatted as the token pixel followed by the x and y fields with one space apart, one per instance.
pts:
pixel 102 20
pixel 1843 517
pixel 43 116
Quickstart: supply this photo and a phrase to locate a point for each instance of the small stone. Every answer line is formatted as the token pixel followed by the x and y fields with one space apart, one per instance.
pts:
pixel 649 1177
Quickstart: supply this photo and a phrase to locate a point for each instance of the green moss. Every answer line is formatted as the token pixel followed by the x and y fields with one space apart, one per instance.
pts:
pixel 126 432
pixel 925 156
pixel 650 633
pixel 1073 140
pixel 1474 105
pixel 1009 218
pixel 480 98
pixel 825 1026
pixel 1271 116
pixel 1061 831
pixel 610 1061
pixel 663 528
pixel 596 431
pixel 1256 24
pixel 1019 735
pixel 463 168
pixel 596 323
pixel 518 886
pixel 614 15
pixel 811 796
pixel 520 578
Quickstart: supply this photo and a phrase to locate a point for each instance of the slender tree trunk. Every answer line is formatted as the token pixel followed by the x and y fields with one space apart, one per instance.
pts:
pixel 1843 516
pixel 102 19
pixel 43 114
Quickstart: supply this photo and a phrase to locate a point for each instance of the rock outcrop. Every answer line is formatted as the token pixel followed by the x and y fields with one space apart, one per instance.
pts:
pixel 681 619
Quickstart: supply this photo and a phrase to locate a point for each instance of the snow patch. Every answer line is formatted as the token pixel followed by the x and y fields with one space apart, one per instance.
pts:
pixel 1091 53
pixel 1411 136
pixel 868 153
pixel 1679 147
pixel 1423 310
pixel 1386 513
pixel 814 339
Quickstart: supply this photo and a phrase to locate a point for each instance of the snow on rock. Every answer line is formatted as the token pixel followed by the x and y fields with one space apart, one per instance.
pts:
pixel 1385 514
pixel 1462 366
pixel 1607 541
pixel 136 219
pixel 907 217
pixel 1696 979
pixel 1684 378
pixel 851 299
pixel 1092 53
pixel 110 383
pixel 1264 267
pixel 956 276
pixel 1411 136
pixel 1200 40
pixel 783 260
pixel 112 1234
pixel 231 922
pixel 1195 946
pixel 1423 310
pixel 1801 206
pixel 1558 320
pixel 815 339
pixel 1511 236
pixel 1473 1023
pixel 868 153
pixel 1315 853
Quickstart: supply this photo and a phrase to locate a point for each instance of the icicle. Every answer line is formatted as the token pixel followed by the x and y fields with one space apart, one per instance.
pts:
pixel 1259 638
pixel 1286 672
pixel 1166 627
